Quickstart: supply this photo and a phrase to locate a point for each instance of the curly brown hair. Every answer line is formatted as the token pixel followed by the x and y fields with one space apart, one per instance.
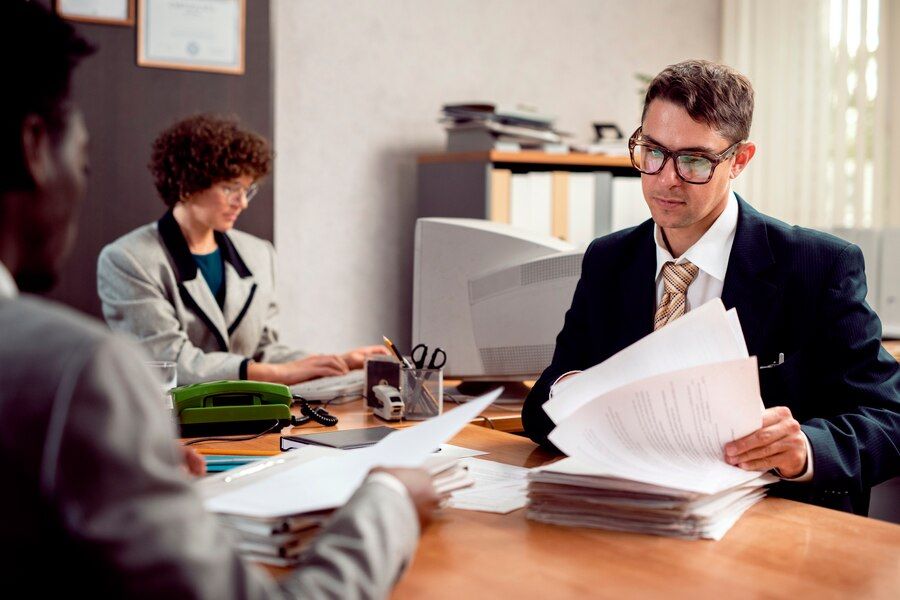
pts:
pixel 196 153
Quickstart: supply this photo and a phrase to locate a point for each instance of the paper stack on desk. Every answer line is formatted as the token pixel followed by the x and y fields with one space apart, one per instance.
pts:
pixel 281 540
pixel 644 433
pixel 273 507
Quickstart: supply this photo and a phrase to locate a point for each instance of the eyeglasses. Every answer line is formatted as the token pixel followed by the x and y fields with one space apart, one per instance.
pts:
pixel 690 166
pixel 233 192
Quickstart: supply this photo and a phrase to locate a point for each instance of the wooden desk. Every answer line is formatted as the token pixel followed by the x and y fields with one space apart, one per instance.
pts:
pixel 778 549
pixel 355 415
pixel 892 346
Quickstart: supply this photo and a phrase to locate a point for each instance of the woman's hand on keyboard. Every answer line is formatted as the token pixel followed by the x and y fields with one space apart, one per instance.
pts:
pixel 302 369
pixel 357 357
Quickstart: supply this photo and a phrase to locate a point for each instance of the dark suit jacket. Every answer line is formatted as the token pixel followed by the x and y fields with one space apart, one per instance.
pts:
pixel 796 291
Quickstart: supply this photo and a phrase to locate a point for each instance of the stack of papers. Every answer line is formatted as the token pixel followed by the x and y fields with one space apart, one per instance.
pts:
pixel 496 488
pixel 273 507
pixel 281 540
pixel 644 433
pixel 275 541
pixel 477 126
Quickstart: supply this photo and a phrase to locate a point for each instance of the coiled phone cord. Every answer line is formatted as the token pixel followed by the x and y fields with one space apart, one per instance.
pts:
pixel 319 415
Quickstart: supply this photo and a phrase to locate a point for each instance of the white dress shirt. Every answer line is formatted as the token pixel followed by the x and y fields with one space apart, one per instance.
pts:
pixel 8 287
pixel 710 254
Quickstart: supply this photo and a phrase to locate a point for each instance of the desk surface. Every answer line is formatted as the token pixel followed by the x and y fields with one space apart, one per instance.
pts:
pixel 893 346
pixel 355 415
pixel 779 548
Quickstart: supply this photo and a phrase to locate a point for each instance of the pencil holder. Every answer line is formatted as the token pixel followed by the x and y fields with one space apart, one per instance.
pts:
pixel 422 392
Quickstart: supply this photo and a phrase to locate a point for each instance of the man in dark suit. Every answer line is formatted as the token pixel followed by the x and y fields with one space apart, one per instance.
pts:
pixel 831 429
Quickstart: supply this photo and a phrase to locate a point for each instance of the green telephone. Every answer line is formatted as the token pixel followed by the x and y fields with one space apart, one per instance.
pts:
pixel 232 407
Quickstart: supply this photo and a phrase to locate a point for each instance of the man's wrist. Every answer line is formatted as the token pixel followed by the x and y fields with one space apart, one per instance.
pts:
pixel 386 479
pixel 807 473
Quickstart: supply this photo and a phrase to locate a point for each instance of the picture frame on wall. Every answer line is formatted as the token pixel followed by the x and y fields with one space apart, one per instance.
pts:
pixel 192 35
pixel 103 12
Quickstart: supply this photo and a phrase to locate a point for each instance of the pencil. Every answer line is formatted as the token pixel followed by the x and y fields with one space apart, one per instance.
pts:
pixel 396 352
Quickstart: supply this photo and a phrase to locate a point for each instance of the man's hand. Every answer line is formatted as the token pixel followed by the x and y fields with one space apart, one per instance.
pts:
pixel 421 490
pixel 778 444
pixel 357 357
pixel 193 463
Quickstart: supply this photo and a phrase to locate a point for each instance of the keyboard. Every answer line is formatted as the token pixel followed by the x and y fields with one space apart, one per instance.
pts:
pixel 351 383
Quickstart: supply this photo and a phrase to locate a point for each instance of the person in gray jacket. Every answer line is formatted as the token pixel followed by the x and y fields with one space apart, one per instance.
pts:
pixel 96 498
pixel 192 289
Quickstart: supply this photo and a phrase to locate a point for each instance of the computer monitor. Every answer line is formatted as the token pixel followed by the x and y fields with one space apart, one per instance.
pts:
pixel 494 297
pixel 881 251
pixel 889 283
pixel 870 242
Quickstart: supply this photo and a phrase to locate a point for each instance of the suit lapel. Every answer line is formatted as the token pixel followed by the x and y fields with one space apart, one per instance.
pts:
pixel 240 286
pixel 750 286
pixel 194 291
pixel 637 295
pixel 239 293
pixel 204 304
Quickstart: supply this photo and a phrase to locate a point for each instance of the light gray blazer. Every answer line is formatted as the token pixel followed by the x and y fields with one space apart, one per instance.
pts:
pixel 94 489
pixel 150 288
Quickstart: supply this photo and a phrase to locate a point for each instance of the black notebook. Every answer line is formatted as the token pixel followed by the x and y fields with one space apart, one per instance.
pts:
pixel 350 438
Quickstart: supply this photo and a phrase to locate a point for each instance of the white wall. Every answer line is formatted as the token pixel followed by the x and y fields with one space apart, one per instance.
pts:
pixel 358 88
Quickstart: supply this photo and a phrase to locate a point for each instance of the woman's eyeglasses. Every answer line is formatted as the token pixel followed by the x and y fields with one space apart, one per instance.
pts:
pixel 233 193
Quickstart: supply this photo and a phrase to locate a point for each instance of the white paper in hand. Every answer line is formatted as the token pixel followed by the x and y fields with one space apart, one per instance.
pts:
pixel 675 346
pixel 669 429
pixel 329 481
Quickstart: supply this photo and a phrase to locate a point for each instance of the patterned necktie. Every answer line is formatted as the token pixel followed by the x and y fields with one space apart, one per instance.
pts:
pixel 676 279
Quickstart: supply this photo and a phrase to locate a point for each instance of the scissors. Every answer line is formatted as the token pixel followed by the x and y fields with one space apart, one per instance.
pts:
pixel 420 352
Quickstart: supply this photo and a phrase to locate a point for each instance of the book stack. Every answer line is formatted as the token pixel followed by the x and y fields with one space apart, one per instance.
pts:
pixel 645 430
pixel 476 127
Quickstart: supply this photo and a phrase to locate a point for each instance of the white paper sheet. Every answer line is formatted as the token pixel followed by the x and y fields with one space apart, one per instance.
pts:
pixel 669 429
pixel 676 346
pixel 329 481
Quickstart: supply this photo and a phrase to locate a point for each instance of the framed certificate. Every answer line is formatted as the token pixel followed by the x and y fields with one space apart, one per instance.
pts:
pixel 194 35
pixel 108 12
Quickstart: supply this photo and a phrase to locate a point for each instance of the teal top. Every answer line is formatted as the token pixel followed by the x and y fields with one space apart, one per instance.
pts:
pixel 213 270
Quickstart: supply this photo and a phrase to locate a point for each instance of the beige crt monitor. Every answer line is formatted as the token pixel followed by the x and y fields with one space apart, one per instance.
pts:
pixel 889 283
pixel 881 251
pixel 492 296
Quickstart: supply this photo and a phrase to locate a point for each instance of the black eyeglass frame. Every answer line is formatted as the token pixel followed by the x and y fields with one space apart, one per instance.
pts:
pixel 715 159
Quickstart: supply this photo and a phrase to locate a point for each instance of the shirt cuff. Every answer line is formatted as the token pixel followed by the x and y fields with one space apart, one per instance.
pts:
pixel 566 374
pixel 388 480
pixel 807 475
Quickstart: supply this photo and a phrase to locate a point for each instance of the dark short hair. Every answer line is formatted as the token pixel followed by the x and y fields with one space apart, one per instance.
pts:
pixel 39 52
pixel 711 93
pixel 194 154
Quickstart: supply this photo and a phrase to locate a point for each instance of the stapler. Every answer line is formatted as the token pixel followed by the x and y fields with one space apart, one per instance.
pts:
pixel 388 404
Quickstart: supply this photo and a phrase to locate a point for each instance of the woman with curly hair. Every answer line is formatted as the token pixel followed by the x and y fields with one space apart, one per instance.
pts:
pixel 192 289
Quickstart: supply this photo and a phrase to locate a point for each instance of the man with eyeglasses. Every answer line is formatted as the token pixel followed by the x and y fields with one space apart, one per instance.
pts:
pixel 831 429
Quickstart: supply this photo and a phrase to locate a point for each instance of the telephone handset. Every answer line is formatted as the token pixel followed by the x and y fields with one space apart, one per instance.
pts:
pixel 234 407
